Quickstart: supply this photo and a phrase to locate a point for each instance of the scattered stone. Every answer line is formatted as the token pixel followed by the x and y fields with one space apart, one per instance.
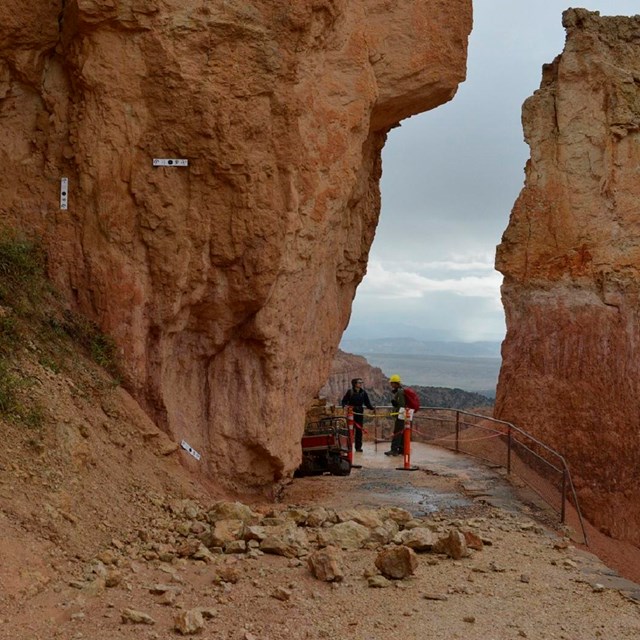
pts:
pixel 203 554
pixel 454 545
pixel 326 564
pixel 223 532
pixel 159 589
pixel 401 516
pixel 113 578
pixel 385 533
pixel 435 596
pixel 299 516
pixel 473 541
pixel 597 587
pixel 232 511
pixel 168 599
pixel 108 557
pixel 479 569
pixel 288 541
pixel 188 548
pixel 237 546
pixel 131 616
pixel 525 578
pixel 419 539
pixel 317 517
pixel 469 619
pixel 378 582
pixel 397 563
pixel 494 566
pixel 208 612
pixel 188 622
pixel 346 535
pixel 569 564
pixel 281 593
pixel 227 573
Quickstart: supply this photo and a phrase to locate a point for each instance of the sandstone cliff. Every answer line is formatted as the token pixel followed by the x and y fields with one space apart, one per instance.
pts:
pixel 227 283
pixel 571 261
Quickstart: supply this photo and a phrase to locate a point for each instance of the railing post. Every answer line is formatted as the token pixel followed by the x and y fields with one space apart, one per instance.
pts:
pixel 509 449
pixel 457 432
pixel 564 495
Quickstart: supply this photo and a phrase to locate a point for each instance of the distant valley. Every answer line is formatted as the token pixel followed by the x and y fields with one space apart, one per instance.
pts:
pixel 457 365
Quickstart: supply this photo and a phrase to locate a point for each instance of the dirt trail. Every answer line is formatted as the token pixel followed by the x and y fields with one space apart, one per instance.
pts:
pixel 525 582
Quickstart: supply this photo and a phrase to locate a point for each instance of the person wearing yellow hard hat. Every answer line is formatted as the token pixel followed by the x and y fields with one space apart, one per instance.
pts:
pixel 398 402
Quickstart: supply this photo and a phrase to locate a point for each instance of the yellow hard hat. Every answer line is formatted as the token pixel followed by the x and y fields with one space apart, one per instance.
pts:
pixel 395 378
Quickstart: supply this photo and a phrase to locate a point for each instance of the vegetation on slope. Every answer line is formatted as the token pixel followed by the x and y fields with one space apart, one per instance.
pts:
pixel 33 320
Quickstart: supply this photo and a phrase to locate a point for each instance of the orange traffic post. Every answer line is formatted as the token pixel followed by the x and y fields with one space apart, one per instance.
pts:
pixel 351 434
pixel 407 442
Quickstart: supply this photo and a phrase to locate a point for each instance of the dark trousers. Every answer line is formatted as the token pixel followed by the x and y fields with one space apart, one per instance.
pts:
pixel 397 444
pixel 358 425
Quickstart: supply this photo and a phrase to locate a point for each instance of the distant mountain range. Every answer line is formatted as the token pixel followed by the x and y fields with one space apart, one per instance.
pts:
pixel 401 345
pixel 347 366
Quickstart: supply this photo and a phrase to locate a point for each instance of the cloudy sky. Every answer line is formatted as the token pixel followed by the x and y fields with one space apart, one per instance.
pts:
pixel 450 178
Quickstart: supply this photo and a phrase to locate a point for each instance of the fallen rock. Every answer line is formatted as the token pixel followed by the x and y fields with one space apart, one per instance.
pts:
pixel 223 532
pixel 232 511
pixel 346 535
pixel 473 541
pixel 378 582
pixel 397 563
pixel 454 545
pixel 326 564
pixel 288 541
pixel 188 622
pixel 282 593
pixel 419 539
pixel 131 616
pixel 317 517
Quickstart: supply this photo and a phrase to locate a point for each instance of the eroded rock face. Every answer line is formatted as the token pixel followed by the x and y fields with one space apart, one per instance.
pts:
pixel 344 368
pixel 571 260
pixel 227 283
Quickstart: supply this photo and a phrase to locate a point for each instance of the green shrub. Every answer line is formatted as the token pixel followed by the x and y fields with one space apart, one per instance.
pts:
pixel 8 387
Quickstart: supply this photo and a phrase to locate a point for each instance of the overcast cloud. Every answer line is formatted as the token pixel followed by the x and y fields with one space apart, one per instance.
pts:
pixel 450 178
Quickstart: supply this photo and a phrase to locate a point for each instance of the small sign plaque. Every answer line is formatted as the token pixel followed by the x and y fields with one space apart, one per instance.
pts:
pixel 189 449
pixel 170 162
pixel 64 194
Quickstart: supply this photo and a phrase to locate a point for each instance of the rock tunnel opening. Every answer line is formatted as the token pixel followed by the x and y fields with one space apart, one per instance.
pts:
pixel 569 359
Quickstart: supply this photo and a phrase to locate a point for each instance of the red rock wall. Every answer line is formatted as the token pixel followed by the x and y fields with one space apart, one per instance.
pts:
pixel 571 261
pixel 228 283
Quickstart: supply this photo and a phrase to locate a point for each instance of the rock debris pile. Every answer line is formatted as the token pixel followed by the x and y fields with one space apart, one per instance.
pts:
pixel 224 538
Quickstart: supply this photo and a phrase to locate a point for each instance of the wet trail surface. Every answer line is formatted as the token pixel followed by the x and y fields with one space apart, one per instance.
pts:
pixel 454 486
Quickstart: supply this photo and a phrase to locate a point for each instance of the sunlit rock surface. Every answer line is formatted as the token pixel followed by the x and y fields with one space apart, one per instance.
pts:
pixel 227 283
pixel 571 260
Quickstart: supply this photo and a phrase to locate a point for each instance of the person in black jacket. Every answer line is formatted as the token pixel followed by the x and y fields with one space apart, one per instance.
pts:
pixel 357 398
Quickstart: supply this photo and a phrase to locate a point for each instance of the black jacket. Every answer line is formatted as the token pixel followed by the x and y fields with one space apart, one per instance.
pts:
pixel 357 400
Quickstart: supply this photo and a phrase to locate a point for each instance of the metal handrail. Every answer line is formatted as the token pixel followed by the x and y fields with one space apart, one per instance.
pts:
pixel 509 431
